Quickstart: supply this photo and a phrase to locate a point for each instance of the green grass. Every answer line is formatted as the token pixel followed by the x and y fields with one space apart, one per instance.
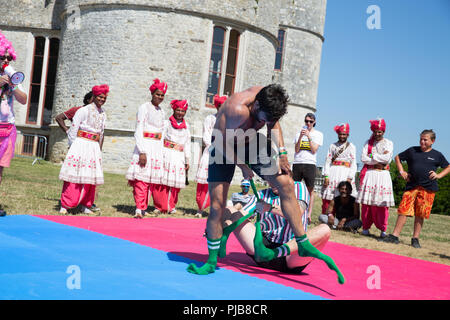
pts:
pixel 36 189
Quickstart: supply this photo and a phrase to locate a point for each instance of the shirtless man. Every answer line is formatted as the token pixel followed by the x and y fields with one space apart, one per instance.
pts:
pixel 238 121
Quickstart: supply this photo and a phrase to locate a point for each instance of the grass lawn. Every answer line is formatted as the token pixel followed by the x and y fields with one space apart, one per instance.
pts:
pixel 36 189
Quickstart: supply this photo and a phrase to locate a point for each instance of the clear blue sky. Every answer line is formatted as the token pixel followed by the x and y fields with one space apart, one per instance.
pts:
pixel 400 72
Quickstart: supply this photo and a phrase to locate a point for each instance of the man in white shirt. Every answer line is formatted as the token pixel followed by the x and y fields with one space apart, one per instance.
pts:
pixel 307 142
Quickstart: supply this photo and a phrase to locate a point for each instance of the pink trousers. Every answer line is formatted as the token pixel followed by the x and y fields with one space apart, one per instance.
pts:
pixel 165 198
pixel 374 214
pixel 142 191
pixel 325 205
pixel 202 196
pixel 74 194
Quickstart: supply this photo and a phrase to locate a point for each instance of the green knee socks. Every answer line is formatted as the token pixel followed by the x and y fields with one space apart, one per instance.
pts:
pixel 306 249
pixel 210 265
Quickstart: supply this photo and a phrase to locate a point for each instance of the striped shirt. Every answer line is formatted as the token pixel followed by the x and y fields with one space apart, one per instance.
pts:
pixel 274 227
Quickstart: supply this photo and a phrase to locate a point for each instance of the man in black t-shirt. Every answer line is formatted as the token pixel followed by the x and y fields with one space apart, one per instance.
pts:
pixel 421 185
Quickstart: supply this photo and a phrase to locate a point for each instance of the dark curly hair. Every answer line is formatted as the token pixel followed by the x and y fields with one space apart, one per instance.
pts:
pixel 273 100
pixel 347 184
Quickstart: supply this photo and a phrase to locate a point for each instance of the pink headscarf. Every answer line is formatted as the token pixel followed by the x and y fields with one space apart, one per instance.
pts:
pixel 378 124
pixel 219 100
pixel 158 85
pixel 6 46
pixel 343 128
pixel 101 89
pixel 179 104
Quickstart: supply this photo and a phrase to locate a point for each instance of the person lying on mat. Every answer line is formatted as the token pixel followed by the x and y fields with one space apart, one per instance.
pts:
pixel 274 232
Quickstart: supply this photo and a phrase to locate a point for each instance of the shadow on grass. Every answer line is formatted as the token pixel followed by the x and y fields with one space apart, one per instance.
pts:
pixel 440 255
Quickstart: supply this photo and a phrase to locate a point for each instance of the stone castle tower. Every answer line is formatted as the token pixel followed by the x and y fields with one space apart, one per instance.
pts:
pixel 199 47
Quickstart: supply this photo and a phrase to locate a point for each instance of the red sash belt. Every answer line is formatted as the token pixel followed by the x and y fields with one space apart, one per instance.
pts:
pixel 173 145
pixel 88 135
pixel 153 135
pixel 342 163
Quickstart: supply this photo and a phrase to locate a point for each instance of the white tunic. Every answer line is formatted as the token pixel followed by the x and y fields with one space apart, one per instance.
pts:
pixel 376 188
pixel 149 118
pixel 338 173
pixel 202 172
pixel 83 163
pixel 174 172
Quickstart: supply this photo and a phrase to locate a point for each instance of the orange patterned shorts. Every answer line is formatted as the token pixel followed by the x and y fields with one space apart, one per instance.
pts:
pixel 417 202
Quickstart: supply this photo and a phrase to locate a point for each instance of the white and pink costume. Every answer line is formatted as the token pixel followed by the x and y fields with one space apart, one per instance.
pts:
pixel 82 169
pixel 176 154
pixel 375 191
pixel 149 141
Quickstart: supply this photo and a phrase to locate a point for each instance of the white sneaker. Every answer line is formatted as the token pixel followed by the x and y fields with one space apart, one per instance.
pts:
pixel 156 211
pixel 86 210
pixel 63 210
pixel 198 215
pixel 173 211
pixel 138 214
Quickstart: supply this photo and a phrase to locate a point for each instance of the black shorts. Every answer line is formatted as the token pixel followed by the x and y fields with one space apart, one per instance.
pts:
pixel 261 156
pixel 304 171
pixel 278 264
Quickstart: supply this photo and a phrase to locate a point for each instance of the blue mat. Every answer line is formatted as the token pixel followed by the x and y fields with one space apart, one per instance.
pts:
pixel 44 260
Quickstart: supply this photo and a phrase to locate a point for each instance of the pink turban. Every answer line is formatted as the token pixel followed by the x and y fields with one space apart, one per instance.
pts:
pixel 179 104
pixel 101 89
pixel 343 128
pixel 378 124
pixel 219 100
pixel 158 85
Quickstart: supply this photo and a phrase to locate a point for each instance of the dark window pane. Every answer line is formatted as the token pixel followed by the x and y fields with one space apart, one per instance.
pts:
pixel 34 103
pixel 231 61
pixel 28 142
pixel 51 72
pixel 229 84
pixel 234 39
pixel 219 35
pixel 54 47
pixel 213 83
pixel 48 105
pixel 37 69
pixel 279 51
pixel 39 46
pixel 278 61
pixel 216 58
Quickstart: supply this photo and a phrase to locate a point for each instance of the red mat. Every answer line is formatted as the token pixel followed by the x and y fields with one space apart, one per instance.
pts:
pixel 369 274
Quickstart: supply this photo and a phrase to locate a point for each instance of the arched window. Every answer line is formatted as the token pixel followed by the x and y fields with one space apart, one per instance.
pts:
pixel 224 52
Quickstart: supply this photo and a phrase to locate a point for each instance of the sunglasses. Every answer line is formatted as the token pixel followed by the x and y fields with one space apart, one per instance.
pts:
pixel 309 121
pixel 9 58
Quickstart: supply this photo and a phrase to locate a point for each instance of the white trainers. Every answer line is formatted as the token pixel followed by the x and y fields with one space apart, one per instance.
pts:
pixel 86 210
pixel 173 211
pixel 63 210
pixel 138 214
pixel 156 211
pixel 198 215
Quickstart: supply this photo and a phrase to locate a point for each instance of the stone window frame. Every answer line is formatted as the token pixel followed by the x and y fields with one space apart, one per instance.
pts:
pixel 223 72
pixel 43 79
